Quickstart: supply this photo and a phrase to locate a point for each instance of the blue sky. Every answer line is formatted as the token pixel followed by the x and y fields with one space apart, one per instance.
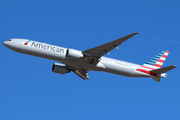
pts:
pixel 29 90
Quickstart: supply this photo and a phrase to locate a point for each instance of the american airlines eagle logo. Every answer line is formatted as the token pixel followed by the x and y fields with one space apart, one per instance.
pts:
pixel 26 43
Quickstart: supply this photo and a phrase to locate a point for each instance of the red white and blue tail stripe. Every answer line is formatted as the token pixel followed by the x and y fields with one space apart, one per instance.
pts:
pixel 156 62
pixel 153 66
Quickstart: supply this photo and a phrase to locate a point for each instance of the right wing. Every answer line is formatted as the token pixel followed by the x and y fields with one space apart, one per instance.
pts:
pixel 95 53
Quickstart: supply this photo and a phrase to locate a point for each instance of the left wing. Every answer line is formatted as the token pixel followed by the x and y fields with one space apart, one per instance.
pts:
pixel 97 52
pixel 82 73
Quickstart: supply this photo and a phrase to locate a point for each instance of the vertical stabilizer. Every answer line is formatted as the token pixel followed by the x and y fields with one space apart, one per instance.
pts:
pixel 153 66
pixel 156 62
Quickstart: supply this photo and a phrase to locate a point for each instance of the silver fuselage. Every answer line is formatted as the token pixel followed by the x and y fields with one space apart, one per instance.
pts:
pixel 60 54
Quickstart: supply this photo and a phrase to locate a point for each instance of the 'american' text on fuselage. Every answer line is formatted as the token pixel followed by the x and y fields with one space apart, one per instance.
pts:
pixel 47 47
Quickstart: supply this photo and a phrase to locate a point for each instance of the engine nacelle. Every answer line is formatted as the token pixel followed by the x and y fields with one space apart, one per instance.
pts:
pixel 74 54
pixel 60 68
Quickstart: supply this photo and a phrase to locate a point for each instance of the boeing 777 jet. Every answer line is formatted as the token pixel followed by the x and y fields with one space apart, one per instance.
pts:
pixel 81 62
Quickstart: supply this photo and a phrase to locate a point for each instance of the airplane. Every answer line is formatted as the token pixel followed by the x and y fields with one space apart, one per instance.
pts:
pixel 81 62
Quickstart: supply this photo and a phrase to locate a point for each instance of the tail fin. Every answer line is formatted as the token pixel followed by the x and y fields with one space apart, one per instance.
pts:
pixel 153 66
pixel 156 62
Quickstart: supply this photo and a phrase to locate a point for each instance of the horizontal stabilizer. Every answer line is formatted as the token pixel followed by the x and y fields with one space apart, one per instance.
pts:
pixel 164 69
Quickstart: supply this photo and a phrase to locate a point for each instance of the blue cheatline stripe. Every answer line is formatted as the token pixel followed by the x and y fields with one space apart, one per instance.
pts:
pixel 152 61
pixel 149 63
pixel 161 54
pixel 157 57
pixel 154 57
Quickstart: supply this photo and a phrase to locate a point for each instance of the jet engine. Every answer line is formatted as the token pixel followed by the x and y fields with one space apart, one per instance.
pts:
pixel 60 68
pixel 74 54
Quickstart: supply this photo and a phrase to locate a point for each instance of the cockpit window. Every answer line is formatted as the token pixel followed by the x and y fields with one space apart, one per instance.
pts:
pixel 8 40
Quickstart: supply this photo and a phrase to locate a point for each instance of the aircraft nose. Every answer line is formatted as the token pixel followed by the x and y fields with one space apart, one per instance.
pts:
pixel 5 43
